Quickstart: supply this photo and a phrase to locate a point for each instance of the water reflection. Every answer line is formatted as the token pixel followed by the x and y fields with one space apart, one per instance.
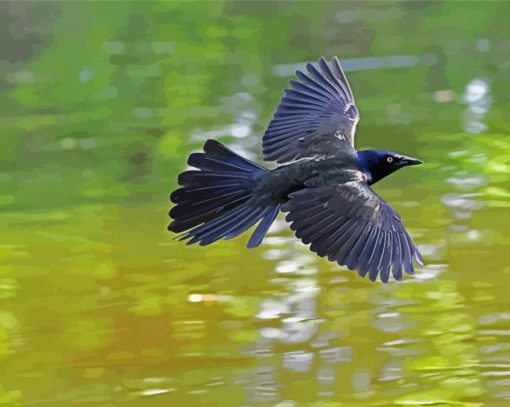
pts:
pixel 477 97
pixel 327 350
pixel 469 182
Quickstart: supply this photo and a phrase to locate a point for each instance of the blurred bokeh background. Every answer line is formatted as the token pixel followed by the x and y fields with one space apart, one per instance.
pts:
pixel 101 102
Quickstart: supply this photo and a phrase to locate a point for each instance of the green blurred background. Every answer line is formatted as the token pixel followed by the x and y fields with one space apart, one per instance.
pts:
pixel 101 102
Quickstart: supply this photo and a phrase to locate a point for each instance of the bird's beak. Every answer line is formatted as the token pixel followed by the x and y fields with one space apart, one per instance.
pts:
pixel 410 161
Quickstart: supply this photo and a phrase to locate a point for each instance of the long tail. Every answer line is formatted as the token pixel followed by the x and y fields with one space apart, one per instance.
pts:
pixel 216 202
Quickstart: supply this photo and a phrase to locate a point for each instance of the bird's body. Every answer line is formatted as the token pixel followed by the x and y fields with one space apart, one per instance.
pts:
pixel 322 182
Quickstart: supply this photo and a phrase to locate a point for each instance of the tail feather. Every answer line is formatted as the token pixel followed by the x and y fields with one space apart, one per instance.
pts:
pixel 206 163
pixel 199 178
pixel 216 201
pixel 227 227
pixel 183 195
pixel 216 229
pixel 263 226
pixel 215 149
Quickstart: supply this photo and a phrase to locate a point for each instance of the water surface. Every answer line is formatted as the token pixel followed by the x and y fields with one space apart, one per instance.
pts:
pixel 99 306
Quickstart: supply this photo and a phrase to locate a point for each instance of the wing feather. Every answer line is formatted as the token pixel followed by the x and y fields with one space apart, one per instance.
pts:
pixel 353 226
pixel 314 110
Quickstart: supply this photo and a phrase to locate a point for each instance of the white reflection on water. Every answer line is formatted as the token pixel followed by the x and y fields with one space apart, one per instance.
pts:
pixel 391 371
pixel 392 322
pixel 264 387
pixel 464 180
pixel 463 201
pixel 477 96
pixel 155 392
pixel 298 361
pixel 494 318
pixel 296 313
pixel 430 271
pixel 289 319
pixel 478 99
pixel 336 354
pixel 401 348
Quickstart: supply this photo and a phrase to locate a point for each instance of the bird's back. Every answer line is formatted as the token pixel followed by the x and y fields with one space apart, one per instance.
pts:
pixel 277 184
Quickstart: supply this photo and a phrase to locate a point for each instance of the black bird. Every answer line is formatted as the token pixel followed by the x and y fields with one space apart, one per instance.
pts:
pixel 323 183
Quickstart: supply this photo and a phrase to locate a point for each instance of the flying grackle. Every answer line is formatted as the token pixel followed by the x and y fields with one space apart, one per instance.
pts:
pixel 322 182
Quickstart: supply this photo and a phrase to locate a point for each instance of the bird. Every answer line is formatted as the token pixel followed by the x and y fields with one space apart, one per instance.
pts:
pixel 320 181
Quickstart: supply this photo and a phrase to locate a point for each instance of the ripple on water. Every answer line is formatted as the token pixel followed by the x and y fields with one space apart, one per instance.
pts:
pixel 298 361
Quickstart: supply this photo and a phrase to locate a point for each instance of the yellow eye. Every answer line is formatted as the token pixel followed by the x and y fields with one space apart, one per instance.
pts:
pixel 389 159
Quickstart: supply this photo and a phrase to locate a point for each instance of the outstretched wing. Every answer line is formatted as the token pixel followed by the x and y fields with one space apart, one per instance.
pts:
pixel 353 226
pixel 316 115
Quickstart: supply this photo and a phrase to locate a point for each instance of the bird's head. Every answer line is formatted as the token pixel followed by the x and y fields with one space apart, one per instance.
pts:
pixel 377 164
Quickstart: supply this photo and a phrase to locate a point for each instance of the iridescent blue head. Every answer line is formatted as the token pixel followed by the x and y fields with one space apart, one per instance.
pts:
pixel 377 164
